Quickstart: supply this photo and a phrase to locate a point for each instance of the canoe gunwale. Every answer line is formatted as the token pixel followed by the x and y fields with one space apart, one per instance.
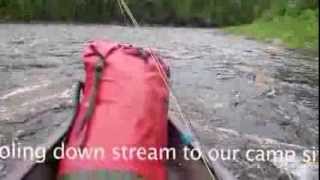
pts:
pixel 25 167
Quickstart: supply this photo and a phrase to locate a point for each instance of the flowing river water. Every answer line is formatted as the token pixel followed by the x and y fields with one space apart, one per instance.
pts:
pixel 237 92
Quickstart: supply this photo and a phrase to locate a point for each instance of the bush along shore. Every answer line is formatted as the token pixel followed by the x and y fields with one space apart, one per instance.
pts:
pixel 294 28
pixel 293 22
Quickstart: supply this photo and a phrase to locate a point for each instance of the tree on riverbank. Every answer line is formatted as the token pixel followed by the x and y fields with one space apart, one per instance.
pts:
pixel 194 12
pixel 294 22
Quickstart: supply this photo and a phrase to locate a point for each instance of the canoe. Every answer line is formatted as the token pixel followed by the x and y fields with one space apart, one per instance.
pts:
pixel 178 169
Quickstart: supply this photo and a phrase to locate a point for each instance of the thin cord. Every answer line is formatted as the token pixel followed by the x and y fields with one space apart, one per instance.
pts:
pixel 129 13
pixel 164 78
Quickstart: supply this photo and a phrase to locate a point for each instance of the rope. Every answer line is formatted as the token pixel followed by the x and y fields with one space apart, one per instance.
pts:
pixel 164 78
pixel 123 5
pixel 187 122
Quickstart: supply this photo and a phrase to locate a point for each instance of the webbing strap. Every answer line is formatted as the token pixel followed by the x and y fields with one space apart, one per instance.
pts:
pixel 99 68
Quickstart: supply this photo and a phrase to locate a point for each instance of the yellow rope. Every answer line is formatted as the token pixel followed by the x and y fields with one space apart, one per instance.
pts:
pixel 128 11
pixel 164 78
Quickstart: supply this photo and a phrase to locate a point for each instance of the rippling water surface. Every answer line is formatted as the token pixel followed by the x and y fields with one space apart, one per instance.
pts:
pixel 238 93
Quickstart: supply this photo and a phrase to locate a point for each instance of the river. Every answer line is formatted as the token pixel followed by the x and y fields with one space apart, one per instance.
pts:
pixel 237 92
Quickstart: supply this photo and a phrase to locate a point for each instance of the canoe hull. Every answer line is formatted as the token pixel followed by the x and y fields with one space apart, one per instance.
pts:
pixel 178 169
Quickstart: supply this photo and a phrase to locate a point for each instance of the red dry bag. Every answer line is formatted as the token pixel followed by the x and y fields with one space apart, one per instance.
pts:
pixel 123 110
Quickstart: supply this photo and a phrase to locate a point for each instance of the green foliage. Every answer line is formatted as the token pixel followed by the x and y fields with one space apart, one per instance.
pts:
pixel 197 12
pixel 58 10
pixel 211 12
pixel 298 31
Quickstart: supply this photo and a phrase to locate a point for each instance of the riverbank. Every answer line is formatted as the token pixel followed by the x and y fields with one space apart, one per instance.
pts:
pixel 298 32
